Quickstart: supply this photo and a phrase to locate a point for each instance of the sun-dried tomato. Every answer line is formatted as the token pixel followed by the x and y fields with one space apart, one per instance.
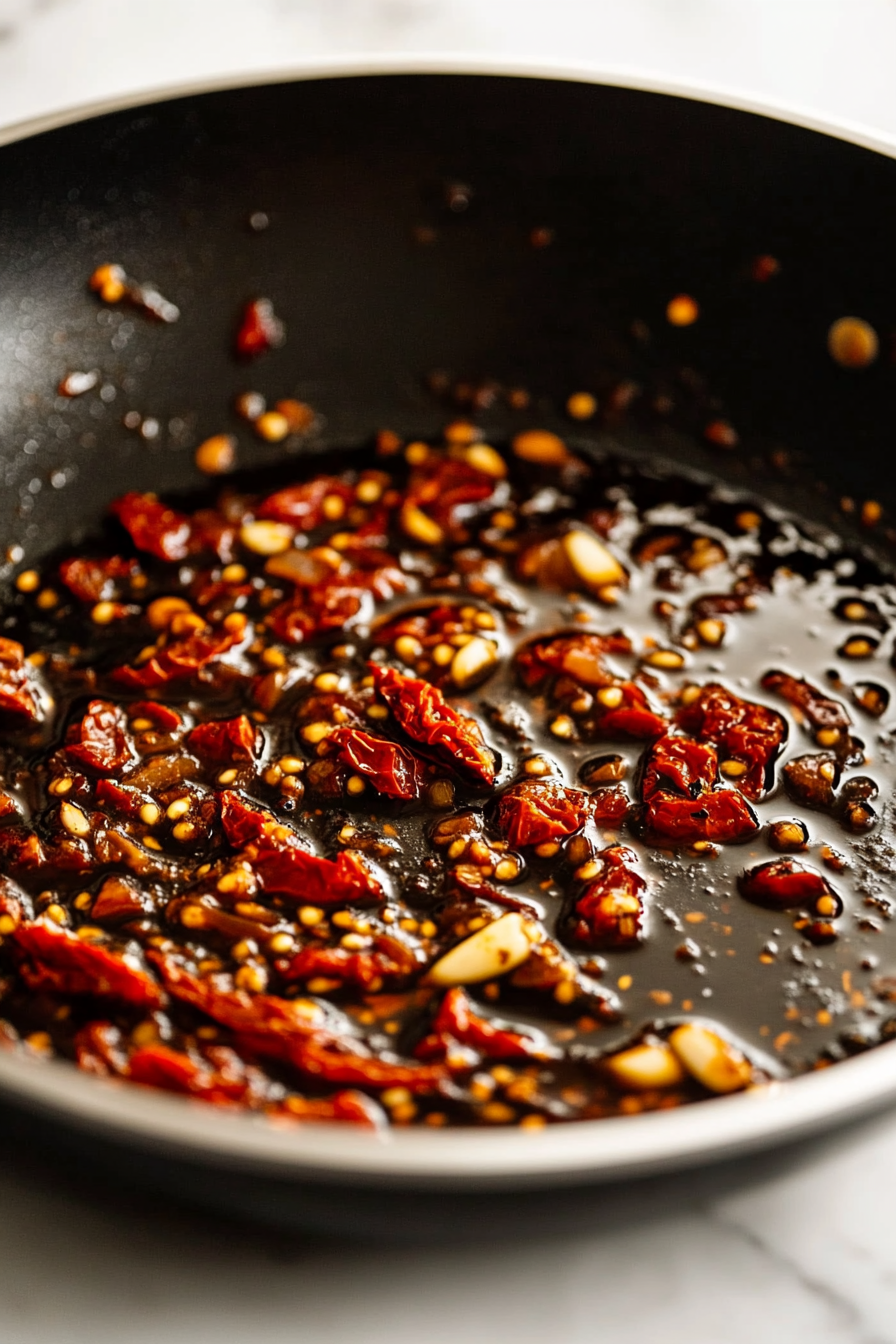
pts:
pixel 421 631
pixel 351 1107
pixel 21 849
pixel 92 580
pixel 153 526
pixel 631 717
pixel 242 823
pixel 260 329
pixel 387 963
pixel 682 801
pixel 230 1083
pixel 813 779
pixel 211 531
pixel 784 883
pixel 285 869
pixel 743 731
pixel 536 811
pixel 59 962
pixel 163 717
pixel 179 660
pixel 391 769
pixel 457 1022
pixel 99 1050
pixel 121 797
pixel 225 739
pixel 610 806
pixel 422 712
pixel 610 911
pixel 100 741
pixel 442 485
pixel 285 1030
pixel 119 898
pixel 18 694
pixel 821 711
pixel 579 656
pixel 302 506
pixel 317 610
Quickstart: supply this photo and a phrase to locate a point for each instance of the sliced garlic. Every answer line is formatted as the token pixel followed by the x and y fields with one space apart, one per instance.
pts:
pixel 473 662
pixel 644 1067
pixel 266 538
pixel 709 1058
pixel 486 459
pixel 74 820
pixel 500 947
pixel 590 559
pixel 420 526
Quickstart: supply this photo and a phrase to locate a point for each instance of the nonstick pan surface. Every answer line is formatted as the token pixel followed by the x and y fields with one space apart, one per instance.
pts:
pixel 380 281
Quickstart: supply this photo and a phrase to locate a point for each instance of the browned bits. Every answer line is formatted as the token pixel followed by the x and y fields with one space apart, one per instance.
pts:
pixel 853 343
pixel 721 433
pixel 541 237
pixel 764 268
pixel 682 311
pixel 216 455
pixel 110 282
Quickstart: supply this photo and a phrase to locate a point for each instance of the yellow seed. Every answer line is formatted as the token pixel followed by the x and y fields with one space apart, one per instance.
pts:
pixel 645 1067
pixel 368 491
pixel 228 776
pixel 486 459
pixel 184 830
pixel 589 870
pixel 565 992
pixel 853 343
pixel 733 769
pixel 610 696
pixel 240 880
pixel 28 581
pixel 416 453
pixel 163 610
pixel 151 842
pixel 682 311
pixel 377 712
pixel 711 631
pixel 57 913
pixel 327 681
pixel 40 1041
pixel 407 648
pixel 395 1096
pixel 264 537
pixel 272 426
pixel 179 808
pixel 563 726
pixel 497 1113
pixel 47 599
pixel 594 565
pixel 216 455
pixel 442 655
pixel 103 613
pixel 709 1058
pixel 291 765
pixel 272 775
pixel 581 406
pixel 540 446
pixel 355 784
pixel 826 906
pixel 419 526
pixel 281 942
pixel 150 813
pixel 316 732
pixel 7 924
pixel 253 978
pixel 61 786
pixel 826 737
pixel 309 915
pixel 538 766
pixel 548 849
pixel 667 659
pixel 507 870
pixel 234 573
pixel 142 725
pixel 74 820
pixel 244 949
pixel 428 929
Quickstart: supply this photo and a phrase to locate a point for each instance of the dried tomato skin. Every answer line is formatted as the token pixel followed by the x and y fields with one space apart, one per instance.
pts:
pixel 287 870
pixel 535 812
pixel 58 961
pixel 302 505
pixel 783 884
pixel 441 486
pixel 456 1021
pixel 610 806
pixel 392 770
pixel 821 710
pixel 610 911
pixel 164 718
pixel 580 656
pixel 174 1071
pixel 225 739
pixel 388 963
pixel 153 526
pixel 683 804
pixel 260 329
pixel 120 797
pixel 745 731
pixel 91 580
pixel 17 694
pixel 100 741
pixel 688 768
pixel 326 607
pixel 632 718
pixel 180 660
pixel 423 713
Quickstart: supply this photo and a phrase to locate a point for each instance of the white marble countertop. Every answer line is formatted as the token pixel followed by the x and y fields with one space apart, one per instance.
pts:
pixel 795 1251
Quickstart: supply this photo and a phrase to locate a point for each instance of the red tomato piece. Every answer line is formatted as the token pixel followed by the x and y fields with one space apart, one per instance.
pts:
pixel 391 769
pixel 59 962
pixel 153 526
pixel 100 741
pixel 536 811
pixel 423 713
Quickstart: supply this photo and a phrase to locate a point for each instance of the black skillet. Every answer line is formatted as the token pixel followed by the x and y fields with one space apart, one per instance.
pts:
pixel 400 214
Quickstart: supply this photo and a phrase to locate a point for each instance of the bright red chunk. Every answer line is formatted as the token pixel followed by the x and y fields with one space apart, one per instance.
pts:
pixel 683 803
pixel 388 962
pixel 302 505
pixel 154 527
pixel 610 911
pixel 17 693
pixel 610 806
pixel 534 812
pixel 94 580
pixel 287 870
pixel 180 660
pixel 457 1022
pixel 60 963
pixel 225 739
pixel 442 485
pixel 741 730
pixel 784 883
pixel 579 656
pixel 243 823
pixel 100 741
pixel 260 329
pixel 424 714
pixel 390 769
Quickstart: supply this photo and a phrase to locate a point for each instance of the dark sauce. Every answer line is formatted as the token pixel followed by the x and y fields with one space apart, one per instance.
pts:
pixel 710 589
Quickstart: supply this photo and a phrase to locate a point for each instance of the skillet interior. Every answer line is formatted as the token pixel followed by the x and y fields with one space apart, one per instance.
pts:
pixel 647 195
